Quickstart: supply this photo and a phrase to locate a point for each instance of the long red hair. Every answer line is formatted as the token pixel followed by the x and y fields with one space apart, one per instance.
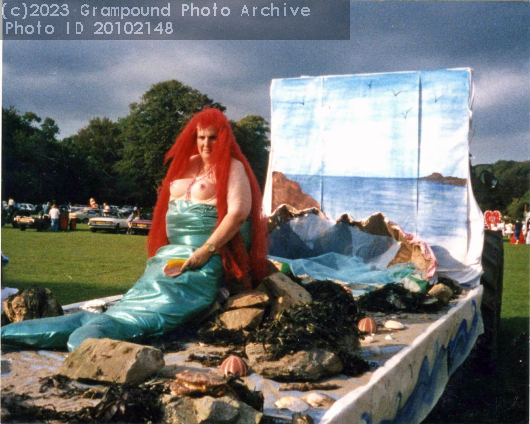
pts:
pixel 236 261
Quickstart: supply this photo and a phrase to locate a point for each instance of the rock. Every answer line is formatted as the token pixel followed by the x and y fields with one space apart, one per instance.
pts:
pixel 34 302
pixel 310 365
pixel 441 292
pixel 207 409
pixel 251 299
pixel 290 192
pixel 112 361
pixel 285 293
pixel 241 318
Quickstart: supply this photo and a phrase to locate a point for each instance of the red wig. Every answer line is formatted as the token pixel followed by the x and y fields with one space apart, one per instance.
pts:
pixel 236 261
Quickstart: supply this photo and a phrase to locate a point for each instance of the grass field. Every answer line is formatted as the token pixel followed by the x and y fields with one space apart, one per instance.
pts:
pixel 81 265
pixel 76 265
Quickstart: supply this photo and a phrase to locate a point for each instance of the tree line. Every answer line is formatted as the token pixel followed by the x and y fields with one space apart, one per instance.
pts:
pixel 118 162
pixel 503 186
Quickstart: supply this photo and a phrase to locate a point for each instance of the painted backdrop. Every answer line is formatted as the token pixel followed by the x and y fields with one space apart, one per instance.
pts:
pixel 395 143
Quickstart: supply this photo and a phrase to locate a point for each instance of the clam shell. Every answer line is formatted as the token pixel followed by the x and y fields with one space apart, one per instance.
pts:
pixel 234 365
pixel 389 337
pixel 394 325
pixel 369 339
pixel 367 325
pixel 318 399
pixel 292 403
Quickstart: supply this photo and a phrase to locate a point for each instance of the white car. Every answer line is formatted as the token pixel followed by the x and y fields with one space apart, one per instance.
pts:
pixel 84 214
pixel 109 221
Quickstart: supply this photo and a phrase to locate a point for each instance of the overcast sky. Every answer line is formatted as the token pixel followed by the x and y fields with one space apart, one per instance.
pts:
pixel 74 81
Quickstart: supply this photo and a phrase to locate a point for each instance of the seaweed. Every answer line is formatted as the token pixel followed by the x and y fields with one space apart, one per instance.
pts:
pixel 396 298
pixel 328 322
pixel 120 403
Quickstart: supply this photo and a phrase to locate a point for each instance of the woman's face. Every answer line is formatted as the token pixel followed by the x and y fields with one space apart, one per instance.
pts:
pixel 205 141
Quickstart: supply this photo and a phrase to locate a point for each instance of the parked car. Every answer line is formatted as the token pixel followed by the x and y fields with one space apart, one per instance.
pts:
pixel 44 222
pixel 127 209
pixel 142 225
pixel 83 215
pixel 26 207
pixel 113 221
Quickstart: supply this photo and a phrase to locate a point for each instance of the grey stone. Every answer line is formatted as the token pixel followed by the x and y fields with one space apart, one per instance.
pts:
pixel 112 361
pixel 250 299
pixel 309 365
pixel 32 303
pixel 208 410
pixel 245 318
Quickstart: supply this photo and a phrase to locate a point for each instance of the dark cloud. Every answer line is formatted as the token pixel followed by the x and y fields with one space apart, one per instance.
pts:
pixel 73 81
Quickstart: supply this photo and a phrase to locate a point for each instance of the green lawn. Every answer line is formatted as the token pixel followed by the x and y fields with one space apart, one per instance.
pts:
pixel 516 289
pixel 76 265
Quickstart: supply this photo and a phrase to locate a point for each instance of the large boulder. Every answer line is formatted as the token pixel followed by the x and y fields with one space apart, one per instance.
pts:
pixel 284 293
pixel 309 365
pixel 112 361
pixel 32 303
pixel 209 410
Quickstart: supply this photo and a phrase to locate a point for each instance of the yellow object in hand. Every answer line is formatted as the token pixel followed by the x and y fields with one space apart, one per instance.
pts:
pixel 175 263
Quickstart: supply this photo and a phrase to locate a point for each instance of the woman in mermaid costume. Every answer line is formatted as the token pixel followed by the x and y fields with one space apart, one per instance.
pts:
pixel 202 218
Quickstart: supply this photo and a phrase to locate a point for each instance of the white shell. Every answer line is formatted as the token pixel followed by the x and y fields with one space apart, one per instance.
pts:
pixel 389 337
pixel 369 339
pixel 292 403
pixel 318 399
pixel 394 325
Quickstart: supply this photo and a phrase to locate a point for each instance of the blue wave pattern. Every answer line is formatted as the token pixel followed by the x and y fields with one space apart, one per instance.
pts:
pixel 439 217
pixel 429 385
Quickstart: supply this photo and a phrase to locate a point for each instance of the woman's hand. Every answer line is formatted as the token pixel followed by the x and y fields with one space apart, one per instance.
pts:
pixel 197 260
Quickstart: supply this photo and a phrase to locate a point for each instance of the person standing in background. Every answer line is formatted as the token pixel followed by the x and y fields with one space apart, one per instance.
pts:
pixel 54 215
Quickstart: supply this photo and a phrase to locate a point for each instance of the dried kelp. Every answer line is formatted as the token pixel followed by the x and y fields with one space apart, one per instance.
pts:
pixel 130 403
pixel 120 403
pixel 329 322
pixel 253 398
pixel 209 360
pixel 396 298
pixel 307 386
pixel 20 412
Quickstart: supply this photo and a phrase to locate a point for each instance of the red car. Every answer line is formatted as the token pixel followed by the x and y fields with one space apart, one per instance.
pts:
pixel 142 225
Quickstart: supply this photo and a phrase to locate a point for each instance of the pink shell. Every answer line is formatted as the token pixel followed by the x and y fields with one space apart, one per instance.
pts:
pixel 367 325
pixel 234 365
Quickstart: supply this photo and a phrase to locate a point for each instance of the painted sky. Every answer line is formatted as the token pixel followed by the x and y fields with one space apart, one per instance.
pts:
pixel 73 81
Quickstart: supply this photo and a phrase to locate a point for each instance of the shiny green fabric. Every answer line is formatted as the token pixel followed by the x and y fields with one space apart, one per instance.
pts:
pixel 155 304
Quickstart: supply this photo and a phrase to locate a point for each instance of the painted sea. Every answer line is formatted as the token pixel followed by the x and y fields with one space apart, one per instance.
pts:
pixel 435 212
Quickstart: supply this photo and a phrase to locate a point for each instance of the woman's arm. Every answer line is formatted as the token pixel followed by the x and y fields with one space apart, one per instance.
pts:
pixel 239 204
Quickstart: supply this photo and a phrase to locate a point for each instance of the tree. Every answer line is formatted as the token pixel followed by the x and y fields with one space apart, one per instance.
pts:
pixel 251 135
pixel 149 131
pixel 102 148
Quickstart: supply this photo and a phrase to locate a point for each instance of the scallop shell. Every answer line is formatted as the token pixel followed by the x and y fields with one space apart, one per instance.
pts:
pixel 367 325
pixel 318 399
pixel 292 403
pixel 234 365
pixel 389 337
pixel 394 325
pixel 369 339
